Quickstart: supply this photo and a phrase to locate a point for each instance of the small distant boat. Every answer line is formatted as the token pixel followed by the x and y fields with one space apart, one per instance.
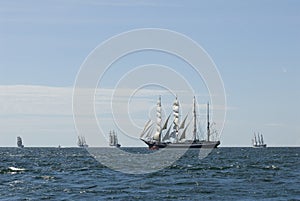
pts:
pixel 113 139
pixel 19 142
pixel 81 142
pixel 258 141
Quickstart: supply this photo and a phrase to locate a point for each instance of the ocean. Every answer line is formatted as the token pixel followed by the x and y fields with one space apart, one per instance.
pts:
pixel 225 174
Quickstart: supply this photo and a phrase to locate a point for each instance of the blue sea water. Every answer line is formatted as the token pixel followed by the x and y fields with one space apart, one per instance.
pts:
pixel 226 174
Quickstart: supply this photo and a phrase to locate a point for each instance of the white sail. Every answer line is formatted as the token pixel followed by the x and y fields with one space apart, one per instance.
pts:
pixel 255 140
pixel 166 123
pixel 177 133
pixel 182 125
pixel 176 114
pixel 158 120
pixel 81 142
pixel 19 142
pixel 115 138
pixel 147 126
pixel 149 133
pixel 167 135
pixel 183 134
pixel 111 139
pixel 259 140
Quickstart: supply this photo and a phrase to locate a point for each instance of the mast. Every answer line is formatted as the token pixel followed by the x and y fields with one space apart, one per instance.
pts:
pixel 208 126
pixel 83 140
pixel 115 138
pixel 78 141
pixel 158 120
pixel 261 139
pixel 176 116
pixel 195 120
pixel 111 138
pixel 255 140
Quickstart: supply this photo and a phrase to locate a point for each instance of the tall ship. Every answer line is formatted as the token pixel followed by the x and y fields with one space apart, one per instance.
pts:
pixel 19 142
pixel 81 142
pixel 258 141
pixel 175 134
pixel 113 139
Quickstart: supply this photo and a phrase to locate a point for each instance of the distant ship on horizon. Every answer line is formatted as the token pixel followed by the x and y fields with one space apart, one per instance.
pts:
pixel 258 141
pixel 19 142
pixel 81 142
pixel 175 135
pixel 113 139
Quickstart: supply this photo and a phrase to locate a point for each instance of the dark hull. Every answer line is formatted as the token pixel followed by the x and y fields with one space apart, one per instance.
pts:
pixel 193 145
pixel 260 146
pixel 83 146
pixel 116 145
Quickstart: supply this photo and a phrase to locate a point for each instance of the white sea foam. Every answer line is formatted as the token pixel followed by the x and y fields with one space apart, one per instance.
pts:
pixel 16 169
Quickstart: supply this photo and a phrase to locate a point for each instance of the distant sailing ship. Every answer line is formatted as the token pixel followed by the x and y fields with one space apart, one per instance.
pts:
pixel 258 141
pixel 113 139
pixel 175 135
pixel 19 142
pixel 81 142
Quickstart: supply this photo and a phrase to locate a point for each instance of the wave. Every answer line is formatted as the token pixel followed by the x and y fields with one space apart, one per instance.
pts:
pixel 16 169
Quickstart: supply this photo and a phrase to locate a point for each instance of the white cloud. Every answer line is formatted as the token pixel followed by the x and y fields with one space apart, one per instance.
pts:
pixel 39 113
pixel 35 100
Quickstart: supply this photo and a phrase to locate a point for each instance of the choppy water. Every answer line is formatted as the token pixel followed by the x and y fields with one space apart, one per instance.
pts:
pixel 226 174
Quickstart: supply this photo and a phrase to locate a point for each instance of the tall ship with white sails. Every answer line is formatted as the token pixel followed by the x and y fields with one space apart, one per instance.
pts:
pixel 175 134
pixel 19 142
pixel 81 142
pixel 258 141
pixel 113 139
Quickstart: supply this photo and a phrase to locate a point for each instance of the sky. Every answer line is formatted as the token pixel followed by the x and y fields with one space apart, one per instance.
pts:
pixel 255 46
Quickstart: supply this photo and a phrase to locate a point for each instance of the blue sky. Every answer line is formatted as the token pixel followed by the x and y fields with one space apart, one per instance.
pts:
pixel 255 45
